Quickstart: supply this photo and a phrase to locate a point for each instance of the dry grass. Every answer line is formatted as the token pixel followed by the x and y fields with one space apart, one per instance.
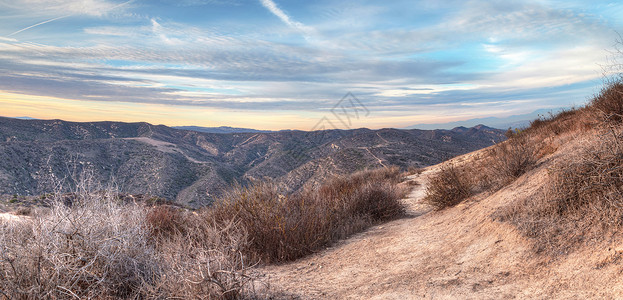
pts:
pixel 503 163
pixel 287 227
pixel 608 102
pixel 414 170
pixel 583 200
pixel 581 204
pixel 513 158
pixel 448 187
pixel 98 247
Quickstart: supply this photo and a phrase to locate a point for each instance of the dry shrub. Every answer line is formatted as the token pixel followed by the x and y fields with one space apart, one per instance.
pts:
pixel 93 249
pixel 609 101
pixel 566 120
pixel 286 227
pixel 582 203
pixel 374 193
pixel 281 228
pixel 98 247
pixel 164 220
pixel 514 157
pixel 206 260
pixel 448 187
pixel 501 165
pixel 414 170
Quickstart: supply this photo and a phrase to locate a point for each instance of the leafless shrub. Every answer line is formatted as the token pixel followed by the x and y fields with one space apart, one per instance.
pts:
pixel 609 102
pixel 286 227
pixel 514 157
pixel 207 261
pixel 94 246
pixel 448 187
pixel 583 202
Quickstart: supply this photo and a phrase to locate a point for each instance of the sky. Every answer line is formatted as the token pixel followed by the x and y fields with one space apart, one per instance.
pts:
pixel 276 64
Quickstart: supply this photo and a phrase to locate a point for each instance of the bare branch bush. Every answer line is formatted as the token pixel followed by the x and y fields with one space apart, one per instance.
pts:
pixel 89 244
pixel 84 246
pixel 514 157
pixel 285 227
pixel 449 187
pixel 583 203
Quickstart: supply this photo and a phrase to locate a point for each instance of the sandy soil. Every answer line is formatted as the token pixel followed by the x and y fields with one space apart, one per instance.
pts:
pixel 7 217
pixel 458 253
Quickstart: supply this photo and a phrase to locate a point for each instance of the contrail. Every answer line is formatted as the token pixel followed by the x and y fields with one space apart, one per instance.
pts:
pixel 48 21
pixel 275 10
pixel 58 18
pixel 122 4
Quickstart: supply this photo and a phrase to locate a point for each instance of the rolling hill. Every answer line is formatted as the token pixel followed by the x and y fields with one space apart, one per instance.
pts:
pixel 192 168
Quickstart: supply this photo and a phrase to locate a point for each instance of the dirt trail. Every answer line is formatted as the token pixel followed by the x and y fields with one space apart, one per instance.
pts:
pixel 7 217
pixel 458 253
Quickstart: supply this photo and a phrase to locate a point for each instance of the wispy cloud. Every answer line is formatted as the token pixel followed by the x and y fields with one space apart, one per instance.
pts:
pixel 402 59
pixel 275 10
pixel 66 7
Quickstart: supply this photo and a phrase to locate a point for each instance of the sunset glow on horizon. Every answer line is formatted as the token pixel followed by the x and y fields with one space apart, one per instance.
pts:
pixel 269 64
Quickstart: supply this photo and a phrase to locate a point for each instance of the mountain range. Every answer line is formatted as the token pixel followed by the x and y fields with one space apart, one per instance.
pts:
pixel 514 121
pixel 220 129
pixel 192 167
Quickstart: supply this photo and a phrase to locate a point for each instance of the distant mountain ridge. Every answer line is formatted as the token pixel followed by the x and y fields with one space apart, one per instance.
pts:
pixel 514 121
pixel 220 129
pixel 192 168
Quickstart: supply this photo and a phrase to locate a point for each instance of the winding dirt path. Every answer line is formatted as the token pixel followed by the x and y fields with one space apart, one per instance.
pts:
pixel 457 253
pixel 373 264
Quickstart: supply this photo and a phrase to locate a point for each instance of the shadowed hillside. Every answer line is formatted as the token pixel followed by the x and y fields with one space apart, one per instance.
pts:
pixel 192 168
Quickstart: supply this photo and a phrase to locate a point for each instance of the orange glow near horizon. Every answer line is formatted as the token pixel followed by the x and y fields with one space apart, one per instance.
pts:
pixel 44 107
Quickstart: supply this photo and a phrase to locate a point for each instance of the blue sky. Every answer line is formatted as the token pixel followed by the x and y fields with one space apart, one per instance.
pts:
pixel 272 64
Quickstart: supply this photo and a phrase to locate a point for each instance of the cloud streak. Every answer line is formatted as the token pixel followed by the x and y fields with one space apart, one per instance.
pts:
pixel 453 59
pixel 275 10
pixel 38 24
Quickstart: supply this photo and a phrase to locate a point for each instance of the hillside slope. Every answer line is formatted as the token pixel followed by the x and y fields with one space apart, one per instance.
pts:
pixel 192 168
pixel 463 252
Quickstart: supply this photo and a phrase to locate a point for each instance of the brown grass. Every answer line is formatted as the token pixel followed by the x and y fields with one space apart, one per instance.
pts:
pixel 287 227
pixel 514 157
pixel 566 120
pixel 582 202
pixel 608 102
pixel 448 187
pixel 503 163
pixel 164 220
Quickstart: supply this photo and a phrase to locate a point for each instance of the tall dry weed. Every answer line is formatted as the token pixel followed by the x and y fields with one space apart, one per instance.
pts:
pixel 92 245
pixel 285 227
